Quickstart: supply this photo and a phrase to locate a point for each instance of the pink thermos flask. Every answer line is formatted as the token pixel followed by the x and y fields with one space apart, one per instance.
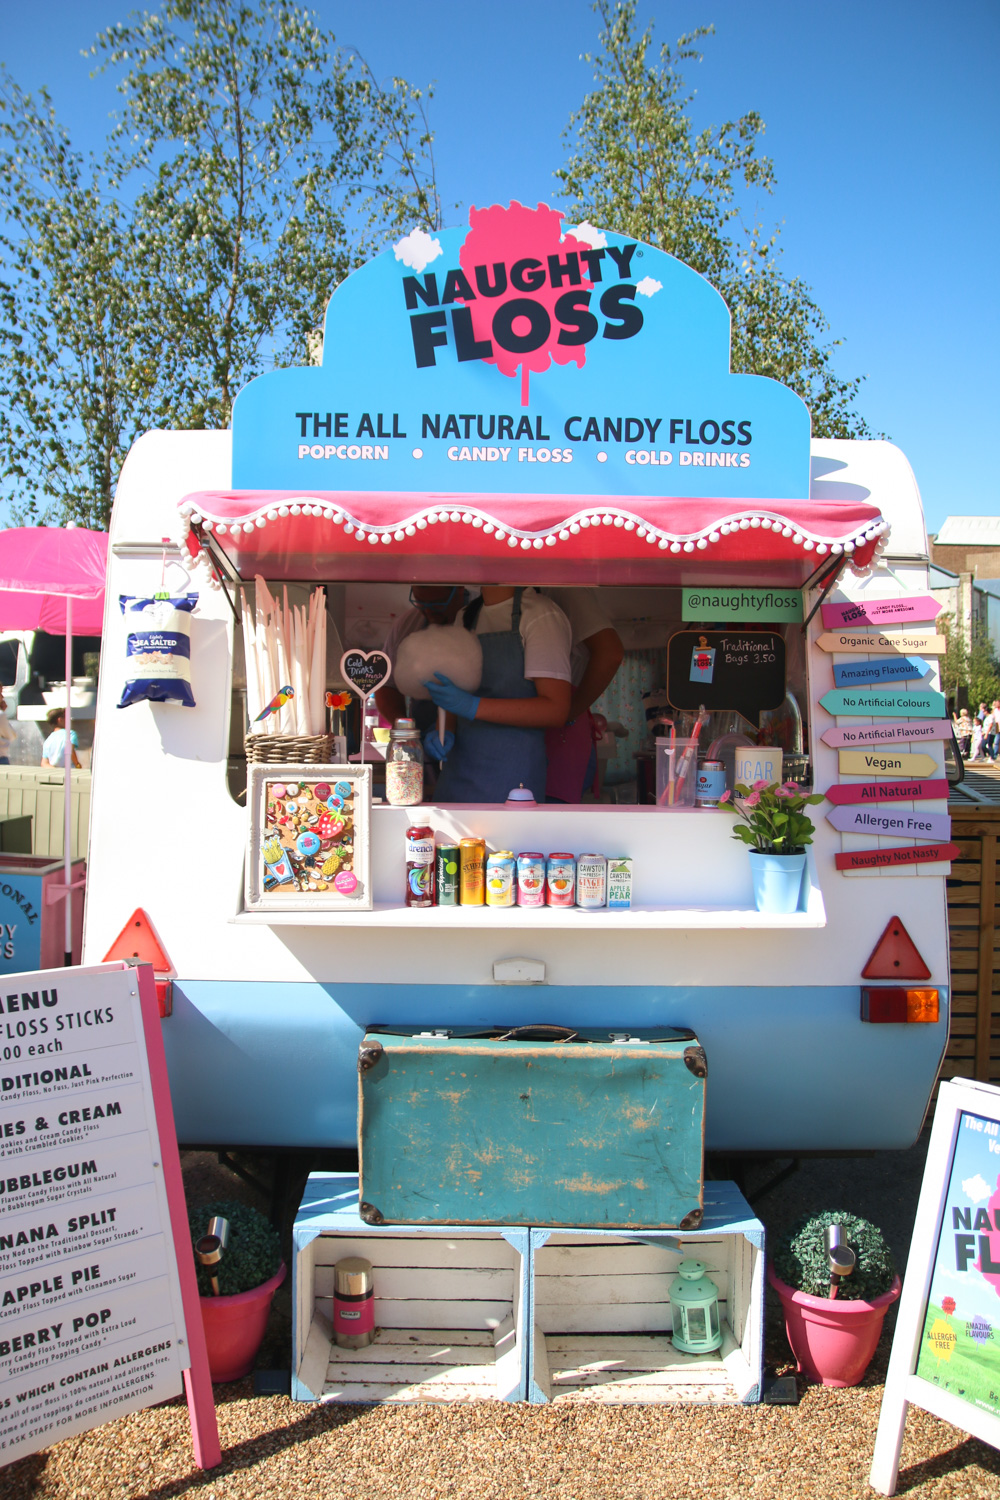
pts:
pixel 353 1303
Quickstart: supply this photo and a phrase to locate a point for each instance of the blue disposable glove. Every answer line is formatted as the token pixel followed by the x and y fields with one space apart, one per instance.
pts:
pixel 445 694
pixel 433 748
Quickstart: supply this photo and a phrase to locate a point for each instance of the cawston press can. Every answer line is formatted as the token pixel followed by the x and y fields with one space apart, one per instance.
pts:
pixel 472 872
pixel 447 862
pixel 591 880
pixel 531 879
pixel 501 874
pixel 619 884
pixel 560 880
pixel 711 783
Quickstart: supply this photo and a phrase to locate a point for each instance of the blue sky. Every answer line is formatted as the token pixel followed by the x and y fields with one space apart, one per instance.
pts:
pixel 883 118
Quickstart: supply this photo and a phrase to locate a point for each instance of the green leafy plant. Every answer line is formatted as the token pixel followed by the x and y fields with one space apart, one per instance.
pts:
pixel 252 1256
pixel 636 162
pixel 773 820
pixel 800 1259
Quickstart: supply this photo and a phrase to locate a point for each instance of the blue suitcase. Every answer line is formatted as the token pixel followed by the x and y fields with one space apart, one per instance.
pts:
pixel 539 1125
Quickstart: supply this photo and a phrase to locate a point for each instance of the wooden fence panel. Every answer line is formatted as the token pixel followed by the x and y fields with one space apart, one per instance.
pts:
pixel 974 940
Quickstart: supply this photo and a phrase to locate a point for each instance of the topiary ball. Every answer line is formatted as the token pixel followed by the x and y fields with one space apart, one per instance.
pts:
pixel 800 1258
pixel 252 1256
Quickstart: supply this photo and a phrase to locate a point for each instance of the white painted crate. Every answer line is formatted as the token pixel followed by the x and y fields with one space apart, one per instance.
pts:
pixel 601 1314
pixel 451 1306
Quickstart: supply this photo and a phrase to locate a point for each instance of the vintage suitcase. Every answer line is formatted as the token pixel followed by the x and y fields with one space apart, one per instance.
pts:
pixel 537 1125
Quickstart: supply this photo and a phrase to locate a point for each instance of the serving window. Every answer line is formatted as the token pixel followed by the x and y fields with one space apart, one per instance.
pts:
pixel 746 682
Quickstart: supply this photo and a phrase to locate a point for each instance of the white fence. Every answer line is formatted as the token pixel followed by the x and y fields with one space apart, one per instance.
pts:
pixel 37 792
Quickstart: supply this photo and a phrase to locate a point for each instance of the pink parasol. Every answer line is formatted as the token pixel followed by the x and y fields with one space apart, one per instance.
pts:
pixel 43 566
pixel 52 579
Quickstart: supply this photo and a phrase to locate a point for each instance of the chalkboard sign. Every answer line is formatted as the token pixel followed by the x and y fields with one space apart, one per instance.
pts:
pixel 726 669
pixel 365 670
pixel 946 1348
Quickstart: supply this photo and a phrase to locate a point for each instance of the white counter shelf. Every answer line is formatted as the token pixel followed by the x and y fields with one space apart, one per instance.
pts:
pixel 524 918
pixel 688 872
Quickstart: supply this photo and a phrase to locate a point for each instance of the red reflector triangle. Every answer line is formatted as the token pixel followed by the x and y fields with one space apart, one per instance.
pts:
pixel 138 940
pixel 895 956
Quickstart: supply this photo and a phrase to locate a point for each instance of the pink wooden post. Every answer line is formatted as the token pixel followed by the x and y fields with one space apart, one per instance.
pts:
pixel 197 1379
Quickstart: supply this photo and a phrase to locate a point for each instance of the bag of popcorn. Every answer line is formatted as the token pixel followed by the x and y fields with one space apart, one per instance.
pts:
pixel 158 649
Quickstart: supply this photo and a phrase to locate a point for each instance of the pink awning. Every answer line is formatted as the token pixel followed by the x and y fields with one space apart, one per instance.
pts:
pixel 40 566
pixel 314 536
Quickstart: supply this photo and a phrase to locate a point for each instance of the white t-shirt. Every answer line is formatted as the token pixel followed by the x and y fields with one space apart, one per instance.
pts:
pixel 545 632
pixel 586 617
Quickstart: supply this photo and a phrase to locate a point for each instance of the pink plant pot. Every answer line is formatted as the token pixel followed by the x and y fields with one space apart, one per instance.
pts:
pixel 234 1328
pixel 833 1341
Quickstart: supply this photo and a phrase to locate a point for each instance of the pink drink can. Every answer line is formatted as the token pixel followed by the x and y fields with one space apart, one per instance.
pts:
pixel 560 880
pixel 531 879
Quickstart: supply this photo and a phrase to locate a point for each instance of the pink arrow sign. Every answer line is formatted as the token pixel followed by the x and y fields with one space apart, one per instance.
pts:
pixel 898 822
pixel 859 735
pixel 888 791
pixel 869 859
pixel 907 608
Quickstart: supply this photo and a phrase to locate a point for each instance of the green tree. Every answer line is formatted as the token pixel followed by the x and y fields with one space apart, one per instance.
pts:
pixel 252 166
pixel 968 667
pixel 77 377
pixel 636 164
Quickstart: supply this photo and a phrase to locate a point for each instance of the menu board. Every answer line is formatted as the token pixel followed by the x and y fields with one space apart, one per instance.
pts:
pixel 91 1315
pixel 741 670
pixel 946 1348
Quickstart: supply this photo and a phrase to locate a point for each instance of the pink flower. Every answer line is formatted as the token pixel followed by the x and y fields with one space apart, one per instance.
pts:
pixel 788 790
pixel 761 786
pixel 753 798
pixel 725 797
pixel 790 786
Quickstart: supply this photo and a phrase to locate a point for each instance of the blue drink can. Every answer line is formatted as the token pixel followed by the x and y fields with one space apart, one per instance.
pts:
pixel 711 783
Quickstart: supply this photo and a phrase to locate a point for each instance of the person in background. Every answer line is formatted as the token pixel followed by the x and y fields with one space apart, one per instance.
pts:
pixel 963 732
pixel 976 748
pixel 430 604
pixel 980 713
pixel 7 733
pixel 596 656
pixel 498 739
pixel 54 749
pixel 991 731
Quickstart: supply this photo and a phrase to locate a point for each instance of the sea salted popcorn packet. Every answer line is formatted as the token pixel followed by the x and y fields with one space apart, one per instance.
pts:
pixel 158 649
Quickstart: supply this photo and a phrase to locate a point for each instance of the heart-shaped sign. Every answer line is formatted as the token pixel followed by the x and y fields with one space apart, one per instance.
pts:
pixel 365 670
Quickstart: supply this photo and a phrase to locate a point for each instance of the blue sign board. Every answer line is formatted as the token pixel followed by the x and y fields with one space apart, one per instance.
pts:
pixel 20 923
pixel 519 355
pixel 865 702
pixel 882 669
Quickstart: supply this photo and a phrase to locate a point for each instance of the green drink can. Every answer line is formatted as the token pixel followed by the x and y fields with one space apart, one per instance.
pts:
pixel 447 861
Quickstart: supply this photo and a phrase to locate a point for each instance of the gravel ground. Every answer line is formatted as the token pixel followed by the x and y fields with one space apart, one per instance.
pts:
pixel 274 1447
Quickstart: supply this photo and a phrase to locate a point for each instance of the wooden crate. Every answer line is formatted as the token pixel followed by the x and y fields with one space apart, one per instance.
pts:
pixel 973 908
pixel 601 1313
pixel 451 1306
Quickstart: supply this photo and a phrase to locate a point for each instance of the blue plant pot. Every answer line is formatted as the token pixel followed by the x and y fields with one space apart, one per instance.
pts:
pixel 777 881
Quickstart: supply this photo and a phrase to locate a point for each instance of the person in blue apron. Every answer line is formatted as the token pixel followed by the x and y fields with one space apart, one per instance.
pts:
pixel 498 739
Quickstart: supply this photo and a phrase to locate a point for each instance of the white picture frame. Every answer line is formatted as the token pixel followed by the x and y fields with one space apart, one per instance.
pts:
pixel 283 825
pixel 965 1138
